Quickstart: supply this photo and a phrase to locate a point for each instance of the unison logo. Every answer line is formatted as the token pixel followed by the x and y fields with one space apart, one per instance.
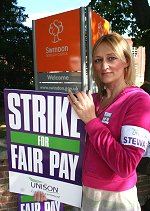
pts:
pixel 36 184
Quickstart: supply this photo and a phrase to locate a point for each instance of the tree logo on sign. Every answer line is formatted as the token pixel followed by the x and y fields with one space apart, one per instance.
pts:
pixel 55 29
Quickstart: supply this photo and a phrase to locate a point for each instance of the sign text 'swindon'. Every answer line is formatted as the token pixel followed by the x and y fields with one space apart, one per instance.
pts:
pixel 58 49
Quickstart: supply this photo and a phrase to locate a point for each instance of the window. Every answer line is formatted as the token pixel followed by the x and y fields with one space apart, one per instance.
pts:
pixel 134 51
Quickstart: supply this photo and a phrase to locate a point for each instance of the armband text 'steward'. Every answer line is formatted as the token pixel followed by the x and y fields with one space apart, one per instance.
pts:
pixel 135 136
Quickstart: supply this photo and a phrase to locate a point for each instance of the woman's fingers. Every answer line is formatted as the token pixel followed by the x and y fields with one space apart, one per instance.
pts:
pixel 72 98
pixel 83 105
pixel 39 196
pixel 79 98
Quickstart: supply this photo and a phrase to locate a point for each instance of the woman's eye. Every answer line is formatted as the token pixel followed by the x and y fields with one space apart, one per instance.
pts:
pixel 98 60
pixel 111 58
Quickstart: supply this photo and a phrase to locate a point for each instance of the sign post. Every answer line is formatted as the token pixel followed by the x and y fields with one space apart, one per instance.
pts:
pixel 58 50
pixel 63 45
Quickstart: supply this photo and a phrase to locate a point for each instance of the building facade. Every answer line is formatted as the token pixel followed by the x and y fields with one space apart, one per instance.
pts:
pixel 139 58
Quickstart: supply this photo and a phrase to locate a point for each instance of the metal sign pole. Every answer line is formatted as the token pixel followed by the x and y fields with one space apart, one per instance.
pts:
pixel 89 48
pixel 83 49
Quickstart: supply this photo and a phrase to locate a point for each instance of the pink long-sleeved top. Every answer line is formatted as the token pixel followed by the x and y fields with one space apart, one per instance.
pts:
pixel 116 141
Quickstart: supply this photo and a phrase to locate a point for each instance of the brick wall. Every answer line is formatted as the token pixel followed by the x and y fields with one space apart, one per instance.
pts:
pixel 8 201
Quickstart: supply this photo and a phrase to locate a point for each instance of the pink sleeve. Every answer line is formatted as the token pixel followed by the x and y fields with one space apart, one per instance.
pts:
pixel 122 158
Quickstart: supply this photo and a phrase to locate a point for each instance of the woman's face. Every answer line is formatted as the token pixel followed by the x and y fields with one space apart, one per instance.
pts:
pixel 108 67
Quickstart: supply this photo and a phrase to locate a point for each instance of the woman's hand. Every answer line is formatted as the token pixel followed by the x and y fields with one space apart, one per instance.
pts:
pixel 39 196
pixel 83 105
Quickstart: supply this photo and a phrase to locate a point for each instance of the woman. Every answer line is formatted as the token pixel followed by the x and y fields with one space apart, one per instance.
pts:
pixel 117 122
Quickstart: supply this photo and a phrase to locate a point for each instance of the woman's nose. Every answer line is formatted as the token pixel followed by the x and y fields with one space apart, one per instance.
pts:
pixel 105 65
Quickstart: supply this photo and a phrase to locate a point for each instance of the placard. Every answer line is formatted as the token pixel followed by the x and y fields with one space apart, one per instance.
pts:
pixel 45 140
pixel 27 203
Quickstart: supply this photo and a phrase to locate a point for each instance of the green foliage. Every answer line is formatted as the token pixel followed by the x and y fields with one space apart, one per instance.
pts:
pixel 16 68
pixel 121 17
pixel 116 12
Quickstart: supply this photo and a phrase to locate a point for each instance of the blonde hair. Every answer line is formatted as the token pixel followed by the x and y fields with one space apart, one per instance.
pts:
pixel 122 50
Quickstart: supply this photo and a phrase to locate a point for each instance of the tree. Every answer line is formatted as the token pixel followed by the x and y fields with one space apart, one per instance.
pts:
pixel 130 17
pixel 16 47
pixel 141 11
